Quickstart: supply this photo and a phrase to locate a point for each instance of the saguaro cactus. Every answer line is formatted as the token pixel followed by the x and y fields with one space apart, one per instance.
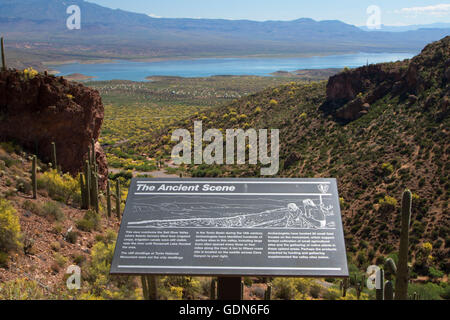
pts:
pixel 94 196
pixel 55 164
pixel 34 177
pixel 93 158
pixel 359 286
pixel 3 55
pixel 268 293
pixel 344 287
pixel 89 181
pixel 108 198
pixel 401 284
pixel 87 176
pixel 83 191
pixel 118 199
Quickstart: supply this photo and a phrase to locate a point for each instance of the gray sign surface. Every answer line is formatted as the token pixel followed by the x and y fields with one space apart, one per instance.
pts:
pixel 260 227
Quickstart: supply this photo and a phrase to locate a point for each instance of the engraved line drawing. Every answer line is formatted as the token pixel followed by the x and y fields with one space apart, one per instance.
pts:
pixel 301 214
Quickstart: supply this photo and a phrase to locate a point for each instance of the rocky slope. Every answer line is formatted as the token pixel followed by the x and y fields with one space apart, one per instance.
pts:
pixel 37 109
pixel 378 129
pixel 351 93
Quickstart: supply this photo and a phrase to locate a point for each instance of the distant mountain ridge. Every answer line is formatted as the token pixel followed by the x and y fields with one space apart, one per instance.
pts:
pixel 119 34
pixel 438 25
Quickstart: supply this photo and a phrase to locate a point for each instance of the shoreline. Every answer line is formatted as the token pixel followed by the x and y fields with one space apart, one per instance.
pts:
pixel 193 58
pixel 307 72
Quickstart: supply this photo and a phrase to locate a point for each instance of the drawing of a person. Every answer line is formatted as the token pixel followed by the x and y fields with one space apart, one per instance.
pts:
pixel 314 215
pixel 294 214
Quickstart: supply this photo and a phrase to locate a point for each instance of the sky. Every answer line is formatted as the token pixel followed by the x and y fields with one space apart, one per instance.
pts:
pixel 390 12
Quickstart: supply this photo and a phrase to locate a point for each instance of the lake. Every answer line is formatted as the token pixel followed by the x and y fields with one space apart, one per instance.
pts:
pixel 138 71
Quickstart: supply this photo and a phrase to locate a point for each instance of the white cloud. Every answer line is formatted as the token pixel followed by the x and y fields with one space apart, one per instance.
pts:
pixel 434 10
pixel 153 15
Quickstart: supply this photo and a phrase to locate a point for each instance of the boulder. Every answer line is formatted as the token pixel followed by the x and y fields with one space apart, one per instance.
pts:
pixel 44 109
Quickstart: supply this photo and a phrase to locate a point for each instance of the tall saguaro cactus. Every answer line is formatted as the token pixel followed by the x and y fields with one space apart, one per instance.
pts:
pixel 34 177
pixel 118 199
pixel 89 182
pixel 268 293
pixel 55 164
pixel 3 55
pixel 108 198
pixel 401 283
pixel 87 176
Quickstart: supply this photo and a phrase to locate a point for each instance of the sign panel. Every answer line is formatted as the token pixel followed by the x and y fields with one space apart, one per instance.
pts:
pixel 259 227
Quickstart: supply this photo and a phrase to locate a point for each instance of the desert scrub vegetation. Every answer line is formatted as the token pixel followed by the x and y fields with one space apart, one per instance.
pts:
pixel 62 188
pixel 103 286
pixel 21 289
pixel 26 289
pixel 90 221
pixel 307 289
pixel 135 112
pixel 49 209
pixel 10 233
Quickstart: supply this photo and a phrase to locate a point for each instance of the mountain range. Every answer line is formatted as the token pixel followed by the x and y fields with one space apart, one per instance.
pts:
pixel 108 33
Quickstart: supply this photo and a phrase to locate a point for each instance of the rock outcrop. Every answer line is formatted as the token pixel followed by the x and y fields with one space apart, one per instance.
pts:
pixel 36 111
pixel 351 93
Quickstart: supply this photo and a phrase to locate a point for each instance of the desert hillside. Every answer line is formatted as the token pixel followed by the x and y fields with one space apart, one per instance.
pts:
pixel 378 129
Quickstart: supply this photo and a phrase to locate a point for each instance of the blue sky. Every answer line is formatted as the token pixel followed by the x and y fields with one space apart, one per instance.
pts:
pixel 393 12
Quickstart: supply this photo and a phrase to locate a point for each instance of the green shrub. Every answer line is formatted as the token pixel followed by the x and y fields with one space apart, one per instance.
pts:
pixel 387 169
pixel 33 207
pixel 332 294
pixel 387 204
pixel 21 289
pixel 284 288
pixel 72 237
pixel 53 210
pixel 23 186
pixel 315 290
pixel 90 221
pixel 10 235
pixel 4 258
pixel 79 259
pixel 428 291
pixel 435 273
pixel 101 284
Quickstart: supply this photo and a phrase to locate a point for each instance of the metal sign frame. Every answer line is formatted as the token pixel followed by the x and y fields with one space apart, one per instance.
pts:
pixel 251 227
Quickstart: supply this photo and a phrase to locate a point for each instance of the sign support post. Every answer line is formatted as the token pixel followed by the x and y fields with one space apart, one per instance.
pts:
pixel 229 288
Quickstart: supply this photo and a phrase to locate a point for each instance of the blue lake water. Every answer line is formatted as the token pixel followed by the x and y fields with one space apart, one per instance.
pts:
pixel 138 71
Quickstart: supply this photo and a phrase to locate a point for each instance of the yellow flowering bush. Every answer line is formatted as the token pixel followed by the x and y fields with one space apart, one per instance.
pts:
pixel 273 102
pixel 30 73
pixel 9 227
pixel 60 187
pixel 100 284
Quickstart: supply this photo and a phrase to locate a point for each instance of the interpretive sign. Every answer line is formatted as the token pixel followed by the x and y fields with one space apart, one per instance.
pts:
pixel 260 227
